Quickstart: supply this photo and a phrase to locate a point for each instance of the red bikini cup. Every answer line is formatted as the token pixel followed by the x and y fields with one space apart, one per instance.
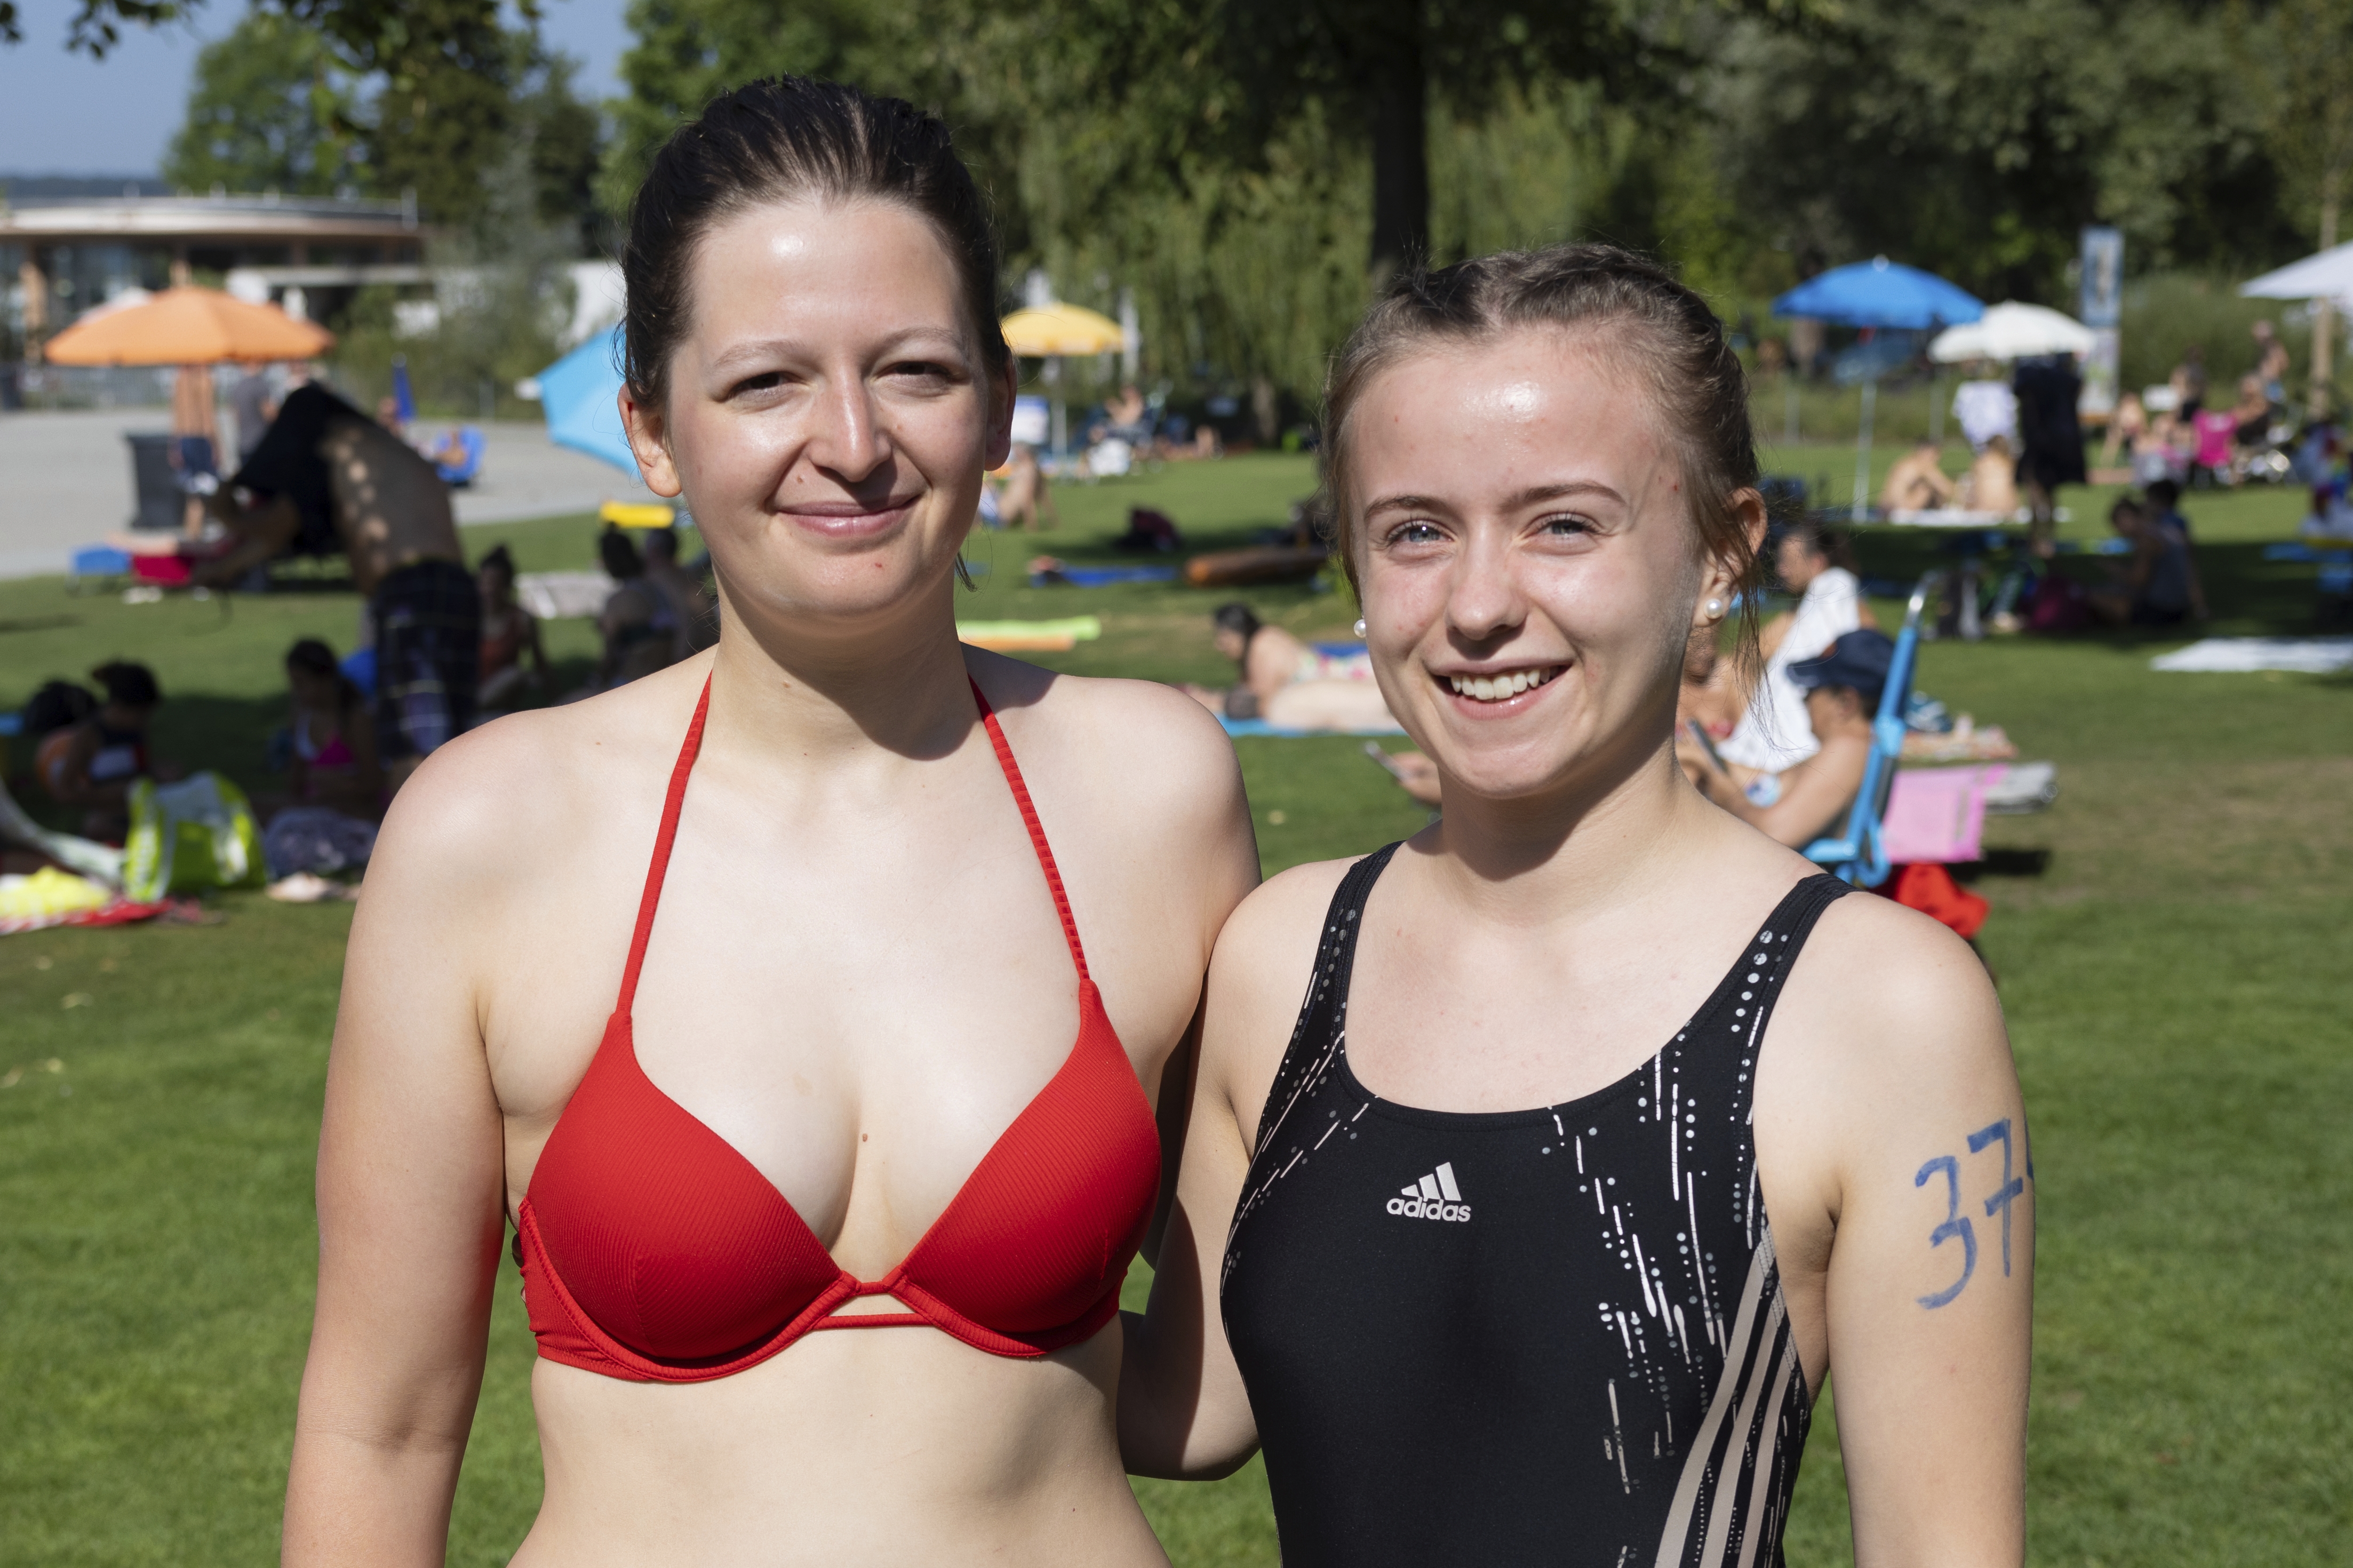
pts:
pixel 651 1250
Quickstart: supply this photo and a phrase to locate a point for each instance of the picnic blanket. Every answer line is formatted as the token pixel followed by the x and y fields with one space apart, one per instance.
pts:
pixel 53 898
pixel 1030 637
pixel 1066 575
pixel 2239 656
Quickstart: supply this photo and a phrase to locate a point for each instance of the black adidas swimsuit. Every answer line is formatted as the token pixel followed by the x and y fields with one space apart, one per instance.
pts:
pixel 1549 1336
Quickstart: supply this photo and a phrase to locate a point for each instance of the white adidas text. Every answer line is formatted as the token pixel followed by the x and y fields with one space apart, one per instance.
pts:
pixel 1435 1197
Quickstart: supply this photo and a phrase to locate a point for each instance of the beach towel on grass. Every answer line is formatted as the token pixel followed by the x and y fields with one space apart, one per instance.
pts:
pixel 1260 727
pixel 2241 656
pixel 1030 637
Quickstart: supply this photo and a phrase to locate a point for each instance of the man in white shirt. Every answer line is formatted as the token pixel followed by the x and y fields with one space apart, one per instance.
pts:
pixel 1775 733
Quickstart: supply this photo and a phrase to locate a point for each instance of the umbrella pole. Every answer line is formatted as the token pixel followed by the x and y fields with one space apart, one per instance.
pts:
pixel 1862 455
pixel 1937 406
pixel 1059 436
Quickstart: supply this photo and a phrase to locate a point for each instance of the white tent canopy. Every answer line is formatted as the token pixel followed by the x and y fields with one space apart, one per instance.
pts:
pixel 2011 331
pixel 2327 276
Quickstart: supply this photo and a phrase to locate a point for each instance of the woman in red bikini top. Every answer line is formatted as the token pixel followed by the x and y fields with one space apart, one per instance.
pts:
pixel 824 981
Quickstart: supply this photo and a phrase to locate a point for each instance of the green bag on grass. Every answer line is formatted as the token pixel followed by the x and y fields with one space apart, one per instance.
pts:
pixel 190 836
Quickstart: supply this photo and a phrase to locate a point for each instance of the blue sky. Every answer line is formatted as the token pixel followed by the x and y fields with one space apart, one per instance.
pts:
pixel 63 114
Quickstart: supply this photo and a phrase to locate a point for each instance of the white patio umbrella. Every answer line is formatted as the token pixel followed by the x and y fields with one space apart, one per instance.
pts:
pixel 2011 331
pixel 2327 276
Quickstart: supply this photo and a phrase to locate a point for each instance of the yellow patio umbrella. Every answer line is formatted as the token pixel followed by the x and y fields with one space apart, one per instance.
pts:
pixel 1049 332
pixel 188 326
pixel 1043 332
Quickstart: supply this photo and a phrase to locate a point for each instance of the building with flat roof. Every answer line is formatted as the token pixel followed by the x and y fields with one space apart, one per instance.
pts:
pixel 60 255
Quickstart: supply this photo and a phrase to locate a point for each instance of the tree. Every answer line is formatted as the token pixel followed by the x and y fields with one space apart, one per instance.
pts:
pixel 270 110
pixel 1383 64
pixel 2311 139
pixel 452 84
pixel 1975 137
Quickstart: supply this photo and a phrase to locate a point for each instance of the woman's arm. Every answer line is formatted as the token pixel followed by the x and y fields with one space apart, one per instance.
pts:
pixel 1899 1127
pixel 1184 1412
pixel 1814 793
pixel 410 1189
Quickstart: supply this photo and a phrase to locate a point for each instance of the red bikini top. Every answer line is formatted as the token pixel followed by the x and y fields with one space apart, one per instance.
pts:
pixel 651 1250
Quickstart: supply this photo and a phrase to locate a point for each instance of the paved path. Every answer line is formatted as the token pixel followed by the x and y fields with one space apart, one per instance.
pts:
pixel 65 481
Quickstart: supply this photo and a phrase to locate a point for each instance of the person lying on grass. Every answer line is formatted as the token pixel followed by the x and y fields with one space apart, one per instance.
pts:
pixel 1288 683
pixel 1809 798
pixel 1609 1128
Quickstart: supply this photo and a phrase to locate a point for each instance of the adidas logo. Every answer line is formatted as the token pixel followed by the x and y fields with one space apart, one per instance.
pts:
pixel 1435 1197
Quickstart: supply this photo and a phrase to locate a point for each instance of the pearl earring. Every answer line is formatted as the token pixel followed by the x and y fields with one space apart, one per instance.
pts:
pixel 1360 628
pixel 1714 608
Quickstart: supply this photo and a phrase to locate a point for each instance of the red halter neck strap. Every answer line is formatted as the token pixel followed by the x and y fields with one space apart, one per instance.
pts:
pixel 676 799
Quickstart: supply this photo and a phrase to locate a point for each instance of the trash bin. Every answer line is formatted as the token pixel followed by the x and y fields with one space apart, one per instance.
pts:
pixel 155 481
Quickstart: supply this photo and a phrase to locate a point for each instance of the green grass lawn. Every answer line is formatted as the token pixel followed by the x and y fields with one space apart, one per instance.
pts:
pixel 2170 939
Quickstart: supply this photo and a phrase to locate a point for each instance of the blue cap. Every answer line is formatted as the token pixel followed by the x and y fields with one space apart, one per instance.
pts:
pixel 1858 660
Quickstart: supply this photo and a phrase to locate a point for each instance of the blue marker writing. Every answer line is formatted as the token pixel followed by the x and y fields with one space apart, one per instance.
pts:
pixel 1956 1224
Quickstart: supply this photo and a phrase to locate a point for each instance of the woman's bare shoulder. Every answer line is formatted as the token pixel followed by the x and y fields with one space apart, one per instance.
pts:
pixel 1269 943
pixel 1264 957
pixel 496 803
pixel 1896 1009
pixel 1155 752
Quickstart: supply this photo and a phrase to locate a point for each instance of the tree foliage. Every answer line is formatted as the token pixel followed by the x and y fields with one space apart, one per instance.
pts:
pixel 1976 137
pixel 426 96
pixel 269 109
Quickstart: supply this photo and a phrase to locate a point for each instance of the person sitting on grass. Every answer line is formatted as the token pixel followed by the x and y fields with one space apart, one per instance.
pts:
pixel 2159 586
pixel 334 761
pixel 509 632
pixel 690 604
pixel 1812 797
pixel 1712 695
pixel 639 629
pixel 1917 483
pixel 1817 564
pixel 1991 483
pixel 1288 683
pixel 92 765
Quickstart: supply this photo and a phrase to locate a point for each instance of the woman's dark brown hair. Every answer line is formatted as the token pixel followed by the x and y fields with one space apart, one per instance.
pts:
pixel 1663 332
pixel 781 140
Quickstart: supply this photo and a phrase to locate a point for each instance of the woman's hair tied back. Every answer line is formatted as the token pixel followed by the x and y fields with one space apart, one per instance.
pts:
pixel 783 139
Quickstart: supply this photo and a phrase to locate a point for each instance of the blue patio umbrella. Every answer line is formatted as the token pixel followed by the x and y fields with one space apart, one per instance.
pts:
pixel 579 395
pixel 1878 293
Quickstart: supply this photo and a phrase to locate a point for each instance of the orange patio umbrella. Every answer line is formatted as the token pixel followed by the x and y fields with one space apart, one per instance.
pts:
pixel 188 326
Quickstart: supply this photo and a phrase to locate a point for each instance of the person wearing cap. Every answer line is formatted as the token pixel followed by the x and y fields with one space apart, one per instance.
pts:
pixel 1842 690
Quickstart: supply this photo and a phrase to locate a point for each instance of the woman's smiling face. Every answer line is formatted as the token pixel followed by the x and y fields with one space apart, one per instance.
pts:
pixel 1529 565
pixel 831 409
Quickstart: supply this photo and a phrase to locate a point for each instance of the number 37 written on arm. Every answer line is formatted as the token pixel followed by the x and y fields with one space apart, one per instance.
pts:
pixel 1955 1226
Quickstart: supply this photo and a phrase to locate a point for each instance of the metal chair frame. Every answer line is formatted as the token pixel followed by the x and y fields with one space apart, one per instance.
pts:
pixel 1859 855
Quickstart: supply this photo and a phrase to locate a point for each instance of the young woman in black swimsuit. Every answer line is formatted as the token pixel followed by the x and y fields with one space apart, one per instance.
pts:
pixel 1609 1128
